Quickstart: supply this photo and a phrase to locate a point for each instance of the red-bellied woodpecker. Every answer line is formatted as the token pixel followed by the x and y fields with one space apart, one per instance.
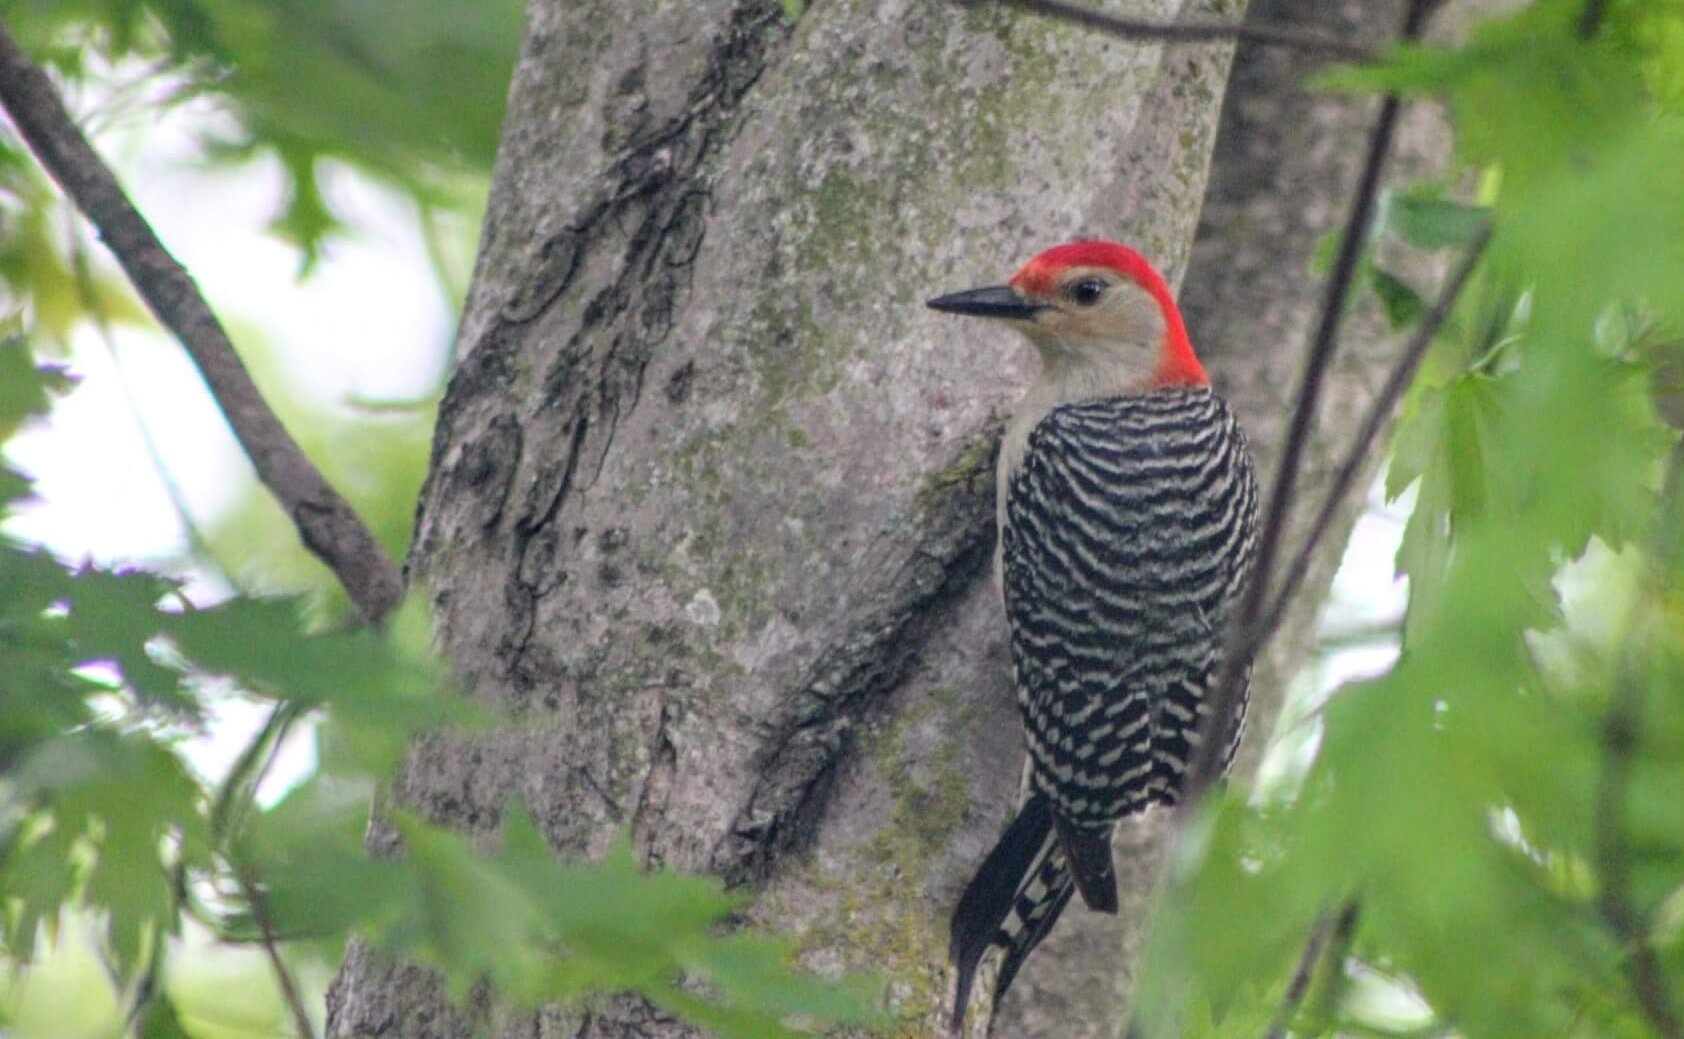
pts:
pixel 1127 518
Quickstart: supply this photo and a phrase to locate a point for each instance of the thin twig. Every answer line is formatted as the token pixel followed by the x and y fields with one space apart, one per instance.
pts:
pixel 1198 31
pixel 1335 978
pixel 227 818
pixel 1299 984
pixel 239 787
pixel 1613 854
pixel 1590 18
pixel 146 987
pixel 253 894
pixel 1224 697
pixel 1329 940
pixel 1612 848
pixel 1391 391
pixel 326 522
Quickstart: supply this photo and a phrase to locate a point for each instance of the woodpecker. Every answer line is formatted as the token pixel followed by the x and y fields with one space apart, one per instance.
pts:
pixel 1126 509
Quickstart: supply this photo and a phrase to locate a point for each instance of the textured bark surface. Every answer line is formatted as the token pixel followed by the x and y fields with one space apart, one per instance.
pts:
pixel 711 500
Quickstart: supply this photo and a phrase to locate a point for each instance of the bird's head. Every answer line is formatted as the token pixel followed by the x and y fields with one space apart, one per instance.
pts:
pixel 1098 312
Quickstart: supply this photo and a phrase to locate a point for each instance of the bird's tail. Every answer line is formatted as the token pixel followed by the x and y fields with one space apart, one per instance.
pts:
pixel 1009 906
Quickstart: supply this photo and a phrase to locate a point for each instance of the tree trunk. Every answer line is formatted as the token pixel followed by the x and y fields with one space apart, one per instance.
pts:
pixel 711 504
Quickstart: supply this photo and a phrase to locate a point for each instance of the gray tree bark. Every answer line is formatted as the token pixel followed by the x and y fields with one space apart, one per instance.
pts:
pixel 710 507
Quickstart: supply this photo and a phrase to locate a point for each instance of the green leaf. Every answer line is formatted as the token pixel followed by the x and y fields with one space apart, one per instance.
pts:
pixel 41 874
pixel 476 919
pixel 1401 304
pixel 754 971
pixel 160 1020
pixel 1525 91
pixel 1238 923
pixel 26 390
pixel 1429 222
pixel 113 616
pixel 378 690
pixel 727 1022
pixel 321 883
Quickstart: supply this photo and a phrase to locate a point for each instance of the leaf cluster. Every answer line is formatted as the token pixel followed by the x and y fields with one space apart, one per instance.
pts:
pixel 409 90
pixel 103 672
pixel 1513 787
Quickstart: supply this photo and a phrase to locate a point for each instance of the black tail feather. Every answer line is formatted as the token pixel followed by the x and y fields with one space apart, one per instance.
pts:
pixel 1027 849
pixel 1089 850
pixel 1038 924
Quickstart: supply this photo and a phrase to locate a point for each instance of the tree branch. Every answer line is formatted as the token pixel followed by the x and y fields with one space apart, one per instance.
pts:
pixel 1590 18
pixel 1332 988
pixel 1612 850
pixel 88 296
pixel 1613 855
pixel 1224 697
pixel 1197 31
pixel 1397 381
pixel 1299 984
pixel 1329 939
pixel 290 992
pixel 326 522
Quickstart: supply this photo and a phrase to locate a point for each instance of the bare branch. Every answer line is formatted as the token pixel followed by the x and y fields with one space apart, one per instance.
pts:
pixel 1612 848
pixel 1613 855
pixel 1197 31
pixel 1590 18
pixel 326 523
pixel 1299 984
pixel 1397 381
pixel 1329 939
pixel 253 894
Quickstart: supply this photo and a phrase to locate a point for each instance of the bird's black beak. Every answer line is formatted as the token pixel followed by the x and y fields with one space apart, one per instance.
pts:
pixel 993 301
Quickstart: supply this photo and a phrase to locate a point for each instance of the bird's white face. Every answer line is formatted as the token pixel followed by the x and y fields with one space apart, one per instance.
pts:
pixel 1093 318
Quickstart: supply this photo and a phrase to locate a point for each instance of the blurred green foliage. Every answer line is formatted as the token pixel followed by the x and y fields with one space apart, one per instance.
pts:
pixel 1477 804
pixel 409 90
pixel 409 93
pixel 105 670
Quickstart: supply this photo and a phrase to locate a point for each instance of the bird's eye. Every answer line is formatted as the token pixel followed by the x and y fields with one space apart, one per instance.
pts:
pixel 1087 292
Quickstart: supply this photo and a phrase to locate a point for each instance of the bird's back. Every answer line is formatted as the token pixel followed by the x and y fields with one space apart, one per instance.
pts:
pixel 1128 534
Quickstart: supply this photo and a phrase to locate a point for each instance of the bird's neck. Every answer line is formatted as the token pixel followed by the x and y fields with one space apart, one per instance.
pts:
pixel 1073 371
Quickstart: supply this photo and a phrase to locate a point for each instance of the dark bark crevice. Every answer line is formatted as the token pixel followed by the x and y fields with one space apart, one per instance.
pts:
pixel 951 531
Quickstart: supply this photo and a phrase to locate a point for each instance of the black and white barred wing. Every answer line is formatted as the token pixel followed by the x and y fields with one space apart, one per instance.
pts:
pixel 1128 533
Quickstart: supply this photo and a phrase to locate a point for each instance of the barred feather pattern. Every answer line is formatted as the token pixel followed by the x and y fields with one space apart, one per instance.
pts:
pixel 1035 909
pixel 1129 531
pixel 1127 535
pixel 1010 904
